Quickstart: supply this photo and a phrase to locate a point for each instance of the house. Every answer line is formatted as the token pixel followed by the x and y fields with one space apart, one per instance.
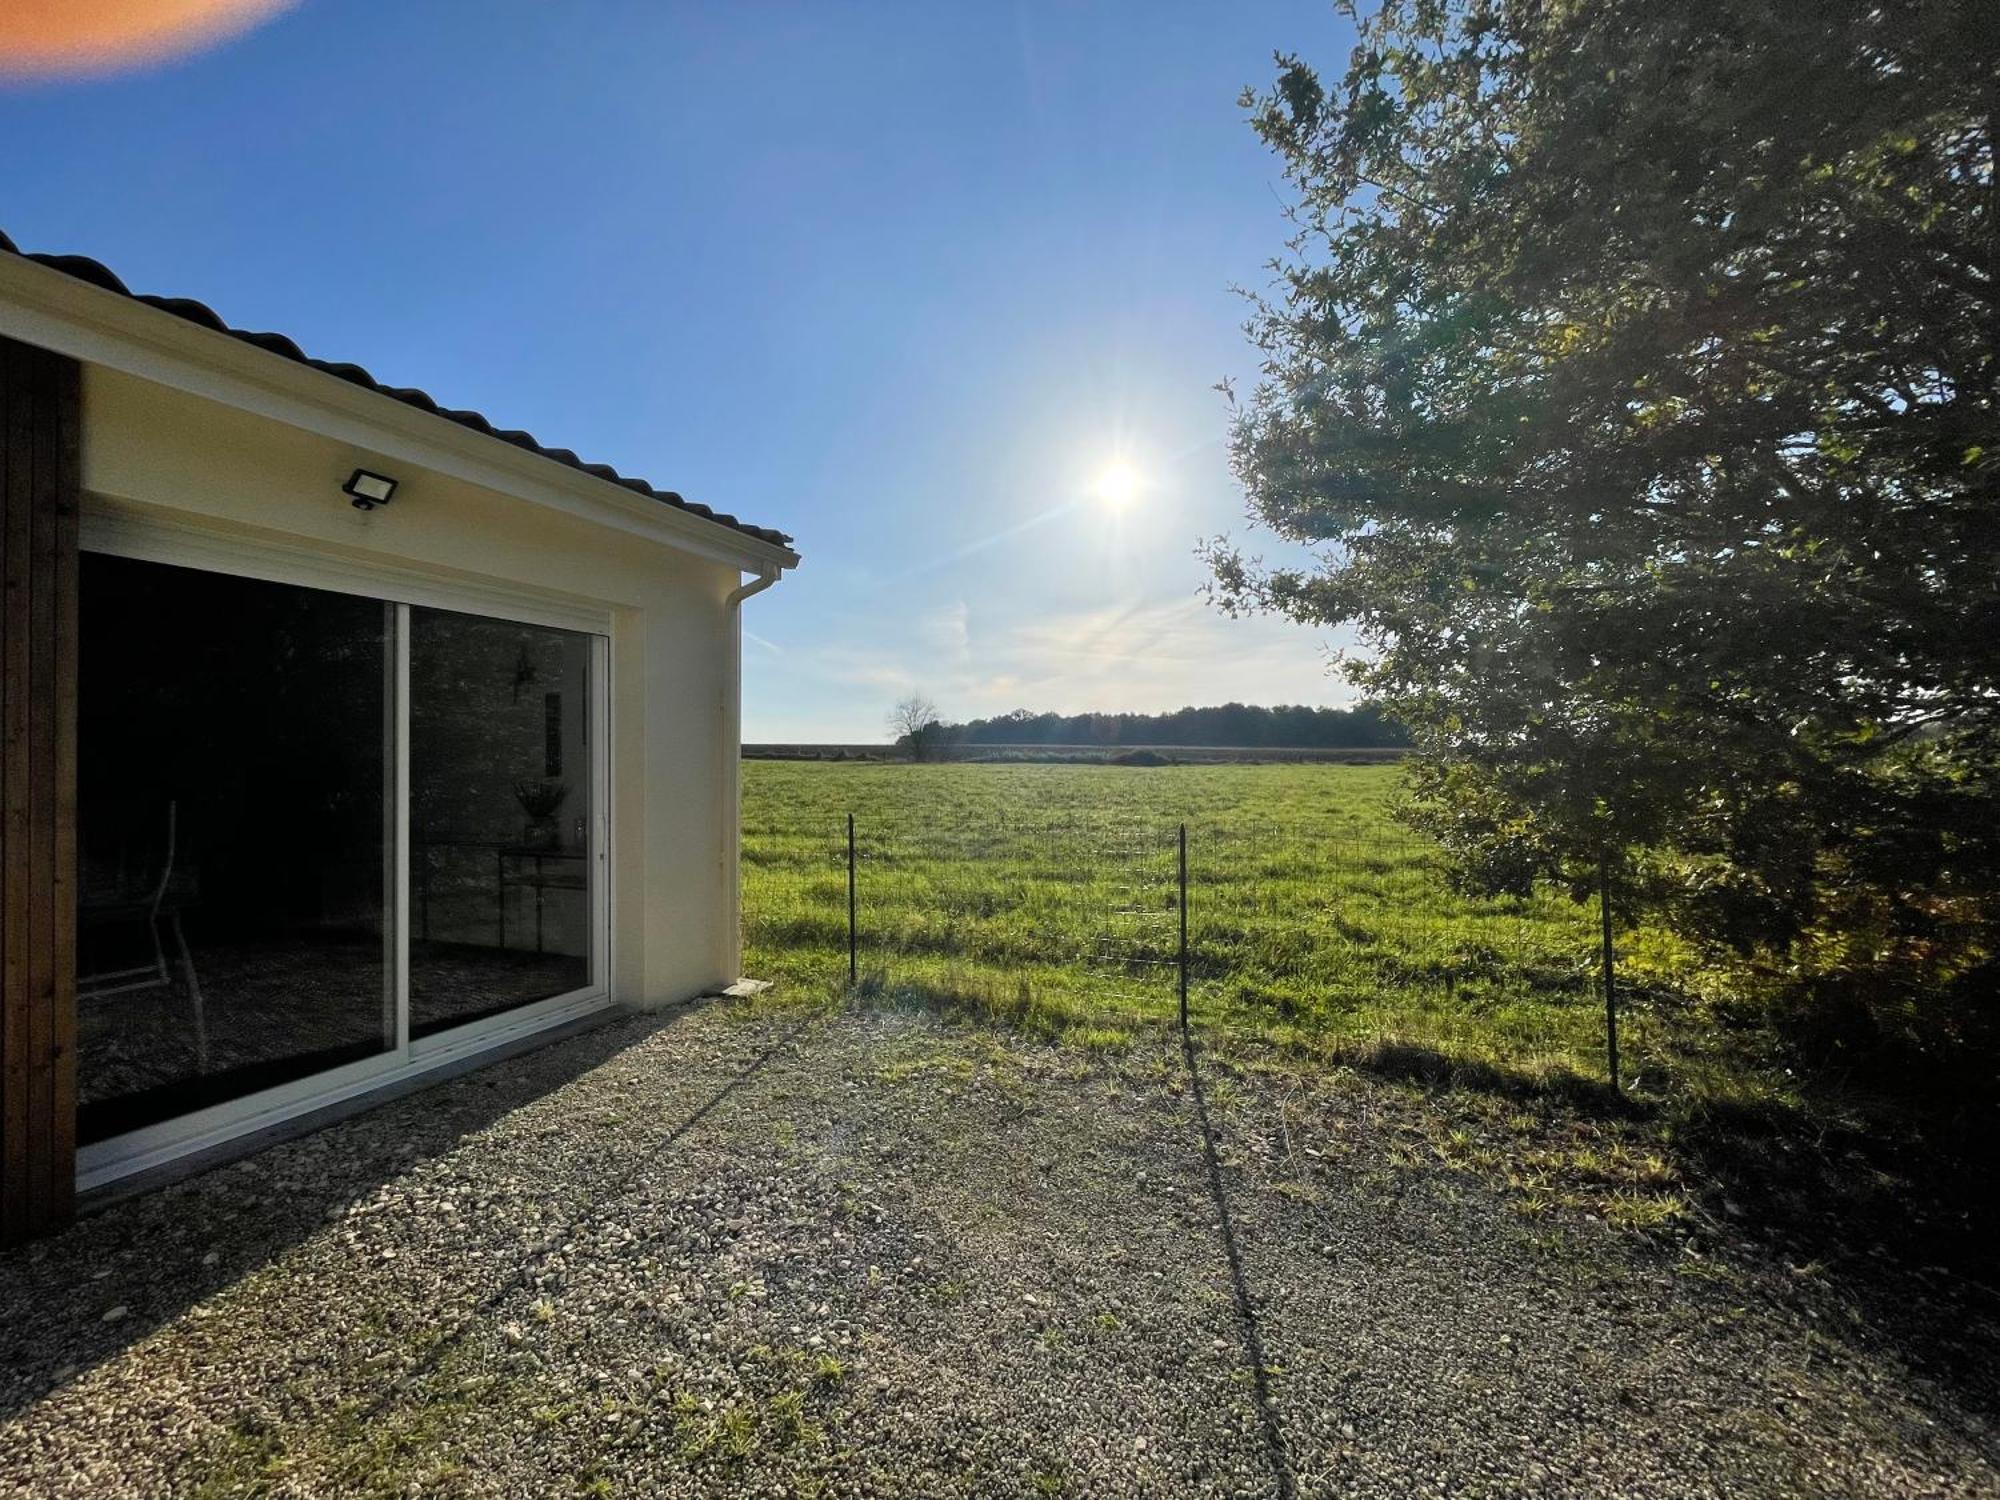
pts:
pixel 344 738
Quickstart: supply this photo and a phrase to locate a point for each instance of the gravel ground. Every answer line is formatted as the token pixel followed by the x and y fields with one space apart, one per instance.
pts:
pixel 737 1251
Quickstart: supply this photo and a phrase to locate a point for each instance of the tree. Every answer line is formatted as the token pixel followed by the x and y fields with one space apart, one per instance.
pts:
pixel 916 727
pixel 1634 372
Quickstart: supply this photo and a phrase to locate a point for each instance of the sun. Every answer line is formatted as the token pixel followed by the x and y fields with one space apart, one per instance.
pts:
pixel 1118 484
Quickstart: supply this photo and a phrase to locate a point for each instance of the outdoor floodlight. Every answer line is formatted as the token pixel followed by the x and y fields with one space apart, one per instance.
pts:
pixel 369 490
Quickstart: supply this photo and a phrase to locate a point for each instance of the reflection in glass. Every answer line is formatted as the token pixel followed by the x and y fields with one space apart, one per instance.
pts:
pixel 499 816
pixel 232 833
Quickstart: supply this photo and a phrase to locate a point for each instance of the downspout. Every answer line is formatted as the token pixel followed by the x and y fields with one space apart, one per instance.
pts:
pixel 756 585
pixel 732 770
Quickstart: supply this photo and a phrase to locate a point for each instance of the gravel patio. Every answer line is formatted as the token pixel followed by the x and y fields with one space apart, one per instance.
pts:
pixel 867 1252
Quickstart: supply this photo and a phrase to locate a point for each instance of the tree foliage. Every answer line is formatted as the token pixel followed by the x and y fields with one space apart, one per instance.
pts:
pixel 1634 371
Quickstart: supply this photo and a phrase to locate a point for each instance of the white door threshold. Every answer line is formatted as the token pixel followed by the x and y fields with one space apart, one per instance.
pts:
pixel 194 1163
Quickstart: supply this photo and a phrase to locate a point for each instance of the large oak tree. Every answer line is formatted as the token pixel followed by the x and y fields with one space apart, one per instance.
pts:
pixel 1634 372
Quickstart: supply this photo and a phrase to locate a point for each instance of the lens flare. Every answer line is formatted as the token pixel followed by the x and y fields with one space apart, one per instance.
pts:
pixel 54 38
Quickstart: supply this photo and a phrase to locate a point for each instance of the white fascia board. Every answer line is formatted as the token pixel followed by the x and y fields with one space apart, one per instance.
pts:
pixel 43 306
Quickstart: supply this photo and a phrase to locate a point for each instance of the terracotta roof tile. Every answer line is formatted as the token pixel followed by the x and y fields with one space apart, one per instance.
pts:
pixel 97 274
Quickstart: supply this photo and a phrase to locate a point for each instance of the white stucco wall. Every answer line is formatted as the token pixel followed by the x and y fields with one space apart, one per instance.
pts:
pixel 153 452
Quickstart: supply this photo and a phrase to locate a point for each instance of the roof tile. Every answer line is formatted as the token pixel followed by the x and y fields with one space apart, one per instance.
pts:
pixel 83 268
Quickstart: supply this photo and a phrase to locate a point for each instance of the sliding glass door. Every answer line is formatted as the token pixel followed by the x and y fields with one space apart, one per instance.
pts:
pixel 233 816
pixel 500 816
pixel 314 825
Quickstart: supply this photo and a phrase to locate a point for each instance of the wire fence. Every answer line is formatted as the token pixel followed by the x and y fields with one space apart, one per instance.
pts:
pixel 1256 927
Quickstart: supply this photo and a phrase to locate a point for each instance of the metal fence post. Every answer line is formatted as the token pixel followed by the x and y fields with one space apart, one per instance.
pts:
pixel 853 936
pixel 1610 976
pixel 1184 947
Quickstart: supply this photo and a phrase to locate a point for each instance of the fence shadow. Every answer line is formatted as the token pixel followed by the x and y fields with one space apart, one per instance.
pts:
pixel 1246 1312
pixel 1299 912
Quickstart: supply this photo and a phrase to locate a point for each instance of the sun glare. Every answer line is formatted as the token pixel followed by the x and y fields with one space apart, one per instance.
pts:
pixel 54 37
pixel 1118 485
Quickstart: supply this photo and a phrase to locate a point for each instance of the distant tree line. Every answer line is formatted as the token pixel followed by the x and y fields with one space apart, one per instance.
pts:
pixel 1238 725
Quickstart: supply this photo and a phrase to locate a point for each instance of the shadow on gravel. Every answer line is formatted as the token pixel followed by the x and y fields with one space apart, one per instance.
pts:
pixel 1893 1239
pixel 1896 1234
pixel 55 1293
pixel 1246 1313
pixel 538 1254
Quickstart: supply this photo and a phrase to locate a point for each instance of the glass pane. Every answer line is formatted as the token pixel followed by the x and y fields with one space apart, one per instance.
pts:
pixel 232 797
pixel 500 816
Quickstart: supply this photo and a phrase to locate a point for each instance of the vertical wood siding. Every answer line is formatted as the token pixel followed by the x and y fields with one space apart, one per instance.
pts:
pixel 39 485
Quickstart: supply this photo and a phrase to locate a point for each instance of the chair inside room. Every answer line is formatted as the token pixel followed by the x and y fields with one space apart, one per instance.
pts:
pixel 130 909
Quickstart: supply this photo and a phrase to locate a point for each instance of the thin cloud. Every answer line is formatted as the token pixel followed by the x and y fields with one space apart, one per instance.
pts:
pixel 1146 657
pixel 1135 656
pixel 948 630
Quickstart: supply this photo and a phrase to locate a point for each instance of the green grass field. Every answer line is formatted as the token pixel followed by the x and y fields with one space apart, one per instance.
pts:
pixel 1043 897
pixel 1048 892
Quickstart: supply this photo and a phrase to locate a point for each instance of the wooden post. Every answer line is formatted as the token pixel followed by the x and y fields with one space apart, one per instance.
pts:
pixel 853 933
pixel 40 413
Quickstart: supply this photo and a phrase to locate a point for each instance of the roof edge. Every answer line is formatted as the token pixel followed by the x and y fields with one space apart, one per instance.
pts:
pixel 96 273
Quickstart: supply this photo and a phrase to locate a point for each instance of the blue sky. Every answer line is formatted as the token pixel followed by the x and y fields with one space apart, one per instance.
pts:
pixel 899 279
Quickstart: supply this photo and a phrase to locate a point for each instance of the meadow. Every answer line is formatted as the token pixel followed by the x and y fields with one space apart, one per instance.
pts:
pixel 1049 892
